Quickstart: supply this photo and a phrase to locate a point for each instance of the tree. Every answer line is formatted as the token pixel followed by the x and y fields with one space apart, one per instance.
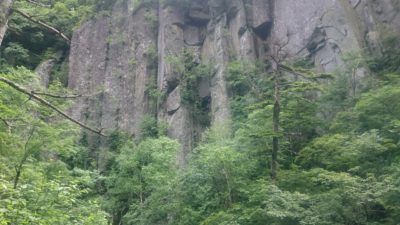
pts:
pixel 4 16
pixel 35 95
pixel 140 173
pixel 304 81
pixel 37 185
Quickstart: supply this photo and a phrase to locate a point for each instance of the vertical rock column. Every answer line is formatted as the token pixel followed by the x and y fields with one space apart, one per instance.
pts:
pixel 233 33
pixel 171 46
pixel 242 36
pixel 87 66
pixel 130 69
pixel 5 8
pixel 110 63
pixel 215 50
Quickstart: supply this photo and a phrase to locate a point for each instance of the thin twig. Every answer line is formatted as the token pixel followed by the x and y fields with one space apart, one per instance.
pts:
pixel 8 125
pixel 18 169
pixel 56 96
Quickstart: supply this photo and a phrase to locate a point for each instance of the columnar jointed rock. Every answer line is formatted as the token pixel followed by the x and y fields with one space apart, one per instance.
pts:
pixel 109 56
pixel 109 61
pixel 171 45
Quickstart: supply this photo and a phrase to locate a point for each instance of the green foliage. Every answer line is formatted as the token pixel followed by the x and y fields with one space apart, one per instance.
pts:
pixel 45 200
pixel 140 173
pixel 271 205
pixel 152 51
pixel 339 159
pixel 214 179
pixel 37 185
pixel 149 127
pixel 28 43
pixel 250 87
pixel 379 109
pixel 15 54
pixel 360 154
pixel 193 74
pixel 152 18
pixel 389 61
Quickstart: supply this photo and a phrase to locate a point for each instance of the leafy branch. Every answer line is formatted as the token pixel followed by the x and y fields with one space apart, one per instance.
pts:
pixel 41 23
pixel 49 105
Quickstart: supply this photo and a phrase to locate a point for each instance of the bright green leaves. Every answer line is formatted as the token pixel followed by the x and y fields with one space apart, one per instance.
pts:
pixel 338 198
pixel 15 54
pixel 141 172
pixel 213 181
pixel 151 128
pixel 379 108
pixel 28 43
pixel 36 184
pixel 362 154
pixel 389 60
pixel 193 73
pixel 190 75
pixel 48 201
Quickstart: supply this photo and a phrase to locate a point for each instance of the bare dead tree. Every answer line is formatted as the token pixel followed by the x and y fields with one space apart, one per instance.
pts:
pixel 277 56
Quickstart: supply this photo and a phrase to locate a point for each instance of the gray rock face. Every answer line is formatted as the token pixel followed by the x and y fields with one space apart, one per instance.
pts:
pixel 5 7
pixel 171 43
pixel 326 30
pixel 109 62
pixel 45 68
pixel 260 16
pixel 109 56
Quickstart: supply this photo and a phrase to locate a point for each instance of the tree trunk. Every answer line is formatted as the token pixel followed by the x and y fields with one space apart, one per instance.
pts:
pixel 275 122
pixel 5 10
pixel 18 169
pixel 18 174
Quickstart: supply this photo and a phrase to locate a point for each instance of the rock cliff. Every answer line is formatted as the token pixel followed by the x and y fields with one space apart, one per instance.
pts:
pixel 5 9
pixel 116 58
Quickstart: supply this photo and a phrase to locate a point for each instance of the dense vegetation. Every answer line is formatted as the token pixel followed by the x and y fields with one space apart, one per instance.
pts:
pixel 339 150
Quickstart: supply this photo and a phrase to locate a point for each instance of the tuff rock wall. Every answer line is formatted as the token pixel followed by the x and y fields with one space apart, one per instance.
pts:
pixel 112 57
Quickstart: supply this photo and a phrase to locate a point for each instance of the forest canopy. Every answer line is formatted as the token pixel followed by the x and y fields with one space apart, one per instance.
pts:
pixel 333 158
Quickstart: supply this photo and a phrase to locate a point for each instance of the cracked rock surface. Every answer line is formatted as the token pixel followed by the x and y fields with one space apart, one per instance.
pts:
pixel 109 57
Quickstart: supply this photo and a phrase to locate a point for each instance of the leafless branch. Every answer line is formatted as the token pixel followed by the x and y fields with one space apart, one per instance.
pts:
pixel 8 125
pixel 290 70
pixel 18 168
pixel 56 96
pixel 50 28
pixel 48 104
pixel 5 122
